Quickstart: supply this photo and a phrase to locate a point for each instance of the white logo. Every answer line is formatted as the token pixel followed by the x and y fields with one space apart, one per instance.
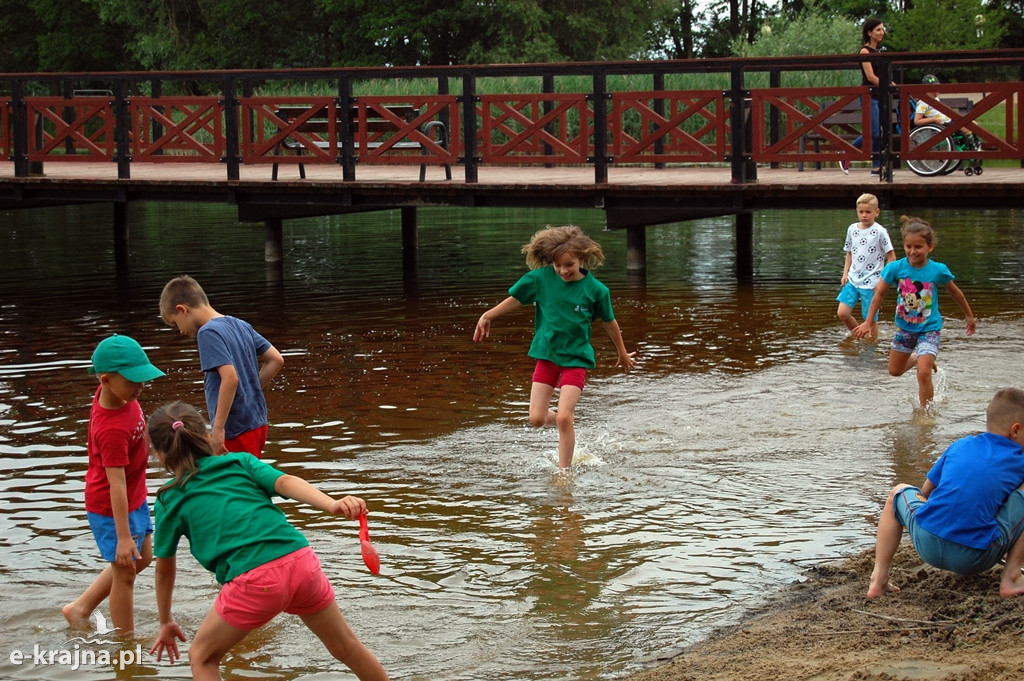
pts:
pixel 77 656
pixel 101 630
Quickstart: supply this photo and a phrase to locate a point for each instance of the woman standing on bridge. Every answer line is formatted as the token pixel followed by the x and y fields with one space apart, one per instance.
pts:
pixel 872 33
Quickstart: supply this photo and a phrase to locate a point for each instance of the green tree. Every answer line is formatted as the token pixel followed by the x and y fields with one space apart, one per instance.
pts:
pixel 727 21
pixel 947 25
pixel 587 30
pixel 73 38
pixel 19 26
pixel 55 35
pixel 672 35
pixel 348 39
pixel 407 32
pixel 813 31
pixel 857 10
pixel 219 34
pixel 410 32
pixel 513 31
pixel 1013 22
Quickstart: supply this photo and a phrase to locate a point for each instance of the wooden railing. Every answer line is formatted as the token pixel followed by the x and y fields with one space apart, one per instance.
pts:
pixel 751 120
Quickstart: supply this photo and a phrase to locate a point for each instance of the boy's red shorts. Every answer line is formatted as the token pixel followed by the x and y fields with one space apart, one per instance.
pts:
pixel 251 441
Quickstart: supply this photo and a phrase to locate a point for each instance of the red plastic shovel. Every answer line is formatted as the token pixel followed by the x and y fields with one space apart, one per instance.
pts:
pixel 370 556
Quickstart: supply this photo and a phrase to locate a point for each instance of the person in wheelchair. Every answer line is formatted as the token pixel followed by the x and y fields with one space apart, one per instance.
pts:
pixel 925 113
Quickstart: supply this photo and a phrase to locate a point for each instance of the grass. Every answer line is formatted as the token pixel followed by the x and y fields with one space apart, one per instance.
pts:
pixel 994 121
pixel 404 87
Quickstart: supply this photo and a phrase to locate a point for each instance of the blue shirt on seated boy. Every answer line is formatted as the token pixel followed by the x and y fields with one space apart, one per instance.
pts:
pixel 969 513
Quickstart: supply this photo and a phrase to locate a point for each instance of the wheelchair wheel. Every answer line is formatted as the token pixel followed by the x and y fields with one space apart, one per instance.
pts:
pixel 929 166
pixel 953 165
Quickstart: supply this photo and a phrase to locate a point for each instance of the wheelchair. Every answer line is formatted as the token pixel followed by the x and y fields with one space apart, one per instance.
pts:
pixel 957 141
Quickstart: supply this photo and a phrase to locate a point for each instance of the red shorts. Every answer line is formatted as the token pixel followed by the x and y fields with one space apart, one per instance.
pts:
pixel 251 441
pixel 550 373
pixel 293 583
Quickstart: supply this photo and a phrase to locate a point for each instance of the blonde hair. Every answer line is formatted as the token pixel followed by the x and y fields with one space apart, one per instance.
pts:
pixel 183 290
pixel 912 225
pixel 868 199
pixel 1005 409
pixel 550 243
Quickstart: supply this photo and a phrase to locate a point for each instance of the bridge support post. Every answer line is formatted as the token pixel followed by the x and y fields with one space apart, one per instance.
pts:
pixel 745 247
pixel 636 251
pixel 273 240
pixel 410 241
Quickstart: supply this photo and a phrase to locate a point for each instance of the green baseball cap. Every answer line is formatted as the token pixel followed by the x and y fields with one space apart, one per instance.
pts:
pixel 123 355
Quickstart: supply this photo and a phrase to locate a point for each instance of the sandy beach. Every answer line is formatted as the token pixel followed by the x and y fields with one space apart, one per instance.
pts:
pixel 940 626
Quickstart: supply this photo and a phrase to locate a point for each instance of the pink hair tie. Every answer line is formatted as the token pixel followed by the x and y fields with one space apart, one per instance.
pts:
pixel 176 425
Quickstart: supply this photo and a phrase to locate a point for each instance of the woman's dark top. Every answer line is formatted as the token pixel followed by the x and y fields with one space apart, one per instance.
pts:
pixel 863 77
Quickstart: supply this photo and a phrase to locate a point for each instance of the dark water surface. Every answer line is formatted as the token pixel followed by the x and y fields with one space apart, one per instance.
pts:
pixel 752 441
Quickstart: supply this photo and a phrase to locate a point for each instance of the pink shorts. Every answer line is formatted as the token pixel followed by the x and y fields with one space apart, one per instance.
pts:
pixel 251 441
pixel 293 583
pixel 550 373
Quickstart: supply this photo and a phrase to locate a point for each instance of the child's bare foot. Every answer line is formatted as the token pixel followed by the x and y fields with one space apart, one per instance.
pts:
pixel 74 615
pixel 881 585
pixel 1011 585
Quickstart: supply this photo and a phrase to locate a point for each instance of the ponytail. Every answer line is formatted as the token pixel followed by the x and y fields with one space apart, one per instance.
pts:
pixel 178 432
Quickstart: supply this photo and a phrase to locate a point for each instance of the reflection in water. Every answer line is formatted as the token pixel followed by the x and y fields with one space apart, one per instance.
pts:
pixel 914 448
pixel 568 576
pixel 752 439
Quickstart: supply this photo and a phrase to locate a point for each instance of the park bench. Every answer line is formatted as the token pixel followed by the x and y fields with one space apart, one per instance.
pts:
pixel 846 123
pixel 391 126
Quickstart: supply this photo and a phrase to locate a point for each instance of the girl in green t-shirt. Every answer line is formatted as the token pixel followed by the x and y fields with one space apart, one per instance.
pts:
pixel 567 299
pixel 222 505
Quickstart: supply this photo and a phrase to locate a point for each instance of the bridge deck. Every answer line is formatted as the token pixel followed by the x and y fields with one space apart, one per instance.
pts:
pixel 650 192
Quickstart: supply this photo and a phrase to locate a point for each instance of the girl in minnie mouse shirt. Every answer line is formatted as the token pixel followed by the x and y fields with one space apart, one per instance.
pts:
pixel 917 278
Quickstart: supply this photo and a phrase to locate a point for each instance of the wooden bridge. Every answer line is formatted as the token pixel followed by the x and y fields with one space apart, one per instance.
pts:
pixel 666 145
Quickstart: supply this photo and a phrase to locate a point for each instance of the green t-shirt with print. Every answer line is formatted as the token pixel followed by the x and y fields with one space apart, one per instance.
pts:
pixel 565 311
pixel 226 513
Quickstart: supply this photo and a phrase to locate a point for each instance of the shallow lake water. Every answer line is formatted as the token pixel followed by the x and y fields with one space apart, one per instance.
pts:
pixel 753 441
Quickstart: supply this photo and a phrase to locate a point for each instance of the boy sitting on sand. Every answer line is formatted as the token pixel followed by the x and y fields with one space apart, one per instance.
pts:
pixel 969 513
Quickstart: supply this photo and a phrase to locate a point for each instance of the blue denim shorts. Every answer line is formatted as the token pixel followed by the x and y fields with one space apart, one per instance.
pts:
pixel 105 532
pixel 949 555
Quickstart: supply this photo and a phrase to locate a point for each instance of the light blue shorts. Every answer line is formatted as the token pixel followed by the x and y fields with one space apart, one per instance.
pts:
pixel 850 294
pixel 949 555
pixel 908 342
pixel 103 529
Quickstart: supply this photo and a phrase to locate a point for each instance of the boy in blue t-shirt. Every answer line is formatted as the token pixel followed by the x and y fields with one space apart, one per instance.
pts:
pixel 969 513
pixel 237 364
